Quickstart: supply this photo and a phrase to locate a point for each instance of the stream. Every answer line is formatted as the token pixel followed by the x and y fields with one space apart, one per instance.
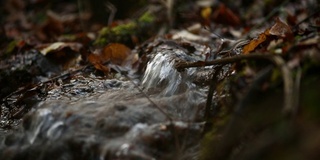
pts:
pixel 158 115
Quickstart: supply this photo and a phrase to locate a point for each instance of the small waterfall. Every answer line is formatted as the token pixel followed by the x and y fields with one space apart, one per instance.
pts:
pixel 161 72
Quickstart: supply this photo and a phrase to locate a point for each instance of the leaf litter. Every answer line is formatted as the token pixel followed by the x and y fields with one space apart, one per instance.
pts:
pixel 215 74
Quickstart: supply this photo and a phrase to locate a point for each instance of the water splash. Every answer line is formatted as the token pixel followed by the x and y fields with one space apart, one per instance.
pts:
pixel 35 128
pixel 161 73
pixel 55 131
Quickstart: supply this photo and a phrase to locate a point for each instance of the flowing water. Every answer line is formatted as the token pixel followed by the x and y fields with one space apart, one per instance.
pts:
pixel 92 118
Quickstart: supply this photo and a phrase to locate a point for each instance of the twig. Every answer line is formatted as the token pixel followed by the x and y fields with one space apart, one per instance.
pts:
pixel 113 11
pixel 296 90
pixel 169 4
pixel 288 84
pixel 212 88
pixel 277 60
pixel 183 65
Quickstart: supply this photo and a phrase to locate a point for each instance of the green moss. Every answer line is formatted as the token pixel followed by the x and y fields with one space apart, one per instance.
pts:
pixel 276 75
pixel 10 47
pixel 104 31
pixel 123 33
pixel 212 138
pixel 146 18
pixel 69 37
pixel 120 33
pixel 128 28
pixel 100 41
pixel 102 37
pixel 208 144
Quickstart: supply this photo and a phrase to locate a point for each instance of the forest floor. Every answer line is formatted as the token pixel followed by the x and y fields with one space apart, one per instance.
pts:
pixel 256 62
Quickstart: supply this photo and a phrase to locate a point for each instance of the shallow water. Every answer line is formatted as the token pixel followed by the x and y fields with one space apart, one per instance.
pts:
pixel 91 118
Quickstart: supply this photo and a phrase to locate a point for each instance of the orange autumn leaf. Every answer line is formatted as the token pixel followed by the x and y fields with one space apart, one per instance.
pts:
pixel 253 44
pixel 279 30
pixel 114 53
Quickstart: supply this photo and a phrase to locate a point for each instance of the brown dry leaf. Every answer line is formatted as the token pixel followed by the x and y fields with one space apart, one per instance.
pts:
pixel 279 30
pixel 62 53
pixel 115 53
pixel 52 28
pixel 253 44
pixel 98 63
pixel 54 47
pixel 225 15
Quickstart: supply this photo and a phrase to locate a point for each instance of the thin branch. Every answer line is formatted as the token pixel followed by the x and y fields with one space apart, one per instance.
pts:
pixel 288 84
pixel 277 60
pixel 113 11
pixel 183 65
pixel 212 88
pixel 297 90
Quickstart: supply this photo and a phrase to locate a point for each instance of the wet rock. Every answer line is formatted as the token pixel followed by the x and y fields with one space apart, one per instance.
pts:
pixel 112 83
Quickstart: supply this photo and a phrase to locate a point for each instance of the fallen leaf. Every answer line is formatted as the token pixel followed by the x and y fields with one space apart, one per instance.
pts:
pixel 206 14
pixel 53 47
pixel 117 53
pixel 226 16
pixel 184 34
pixel 15 44
pixel 253 44
pixel 280 30
pixel 62 53
pixel 114 53
pixel 52 28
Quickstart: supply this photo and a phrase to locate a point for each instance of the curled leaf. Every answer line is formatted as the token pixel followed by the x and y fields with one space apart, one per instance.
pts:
pixel 253 44
pixel 62 53
pixel 114 53
pixel 279 30
pixel 57 46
